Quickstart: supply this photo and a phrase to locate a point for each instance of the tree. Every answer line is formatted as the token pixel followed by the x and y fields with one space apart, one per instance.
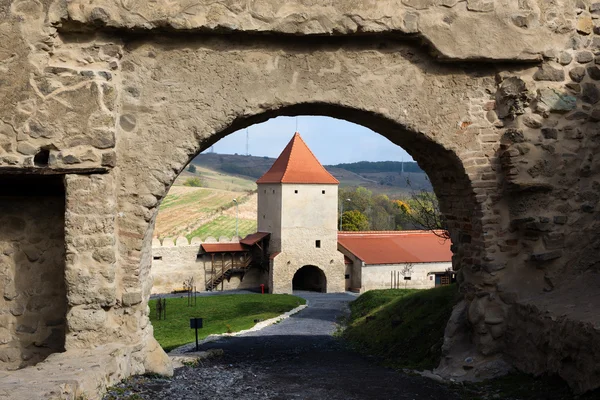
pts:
pixel 193 182
pixel 422 210
pixel 354 220
pixel 192 168
pixel 406 272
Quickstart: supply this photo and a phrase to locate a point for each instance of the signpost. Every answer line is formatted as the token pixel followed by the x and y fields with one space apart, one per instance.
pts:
pixel 196 323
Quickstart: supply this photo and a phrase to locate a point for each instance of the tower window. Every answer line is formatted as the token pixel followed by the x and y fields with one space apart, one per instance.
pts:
pixel 322 192
pixel 157 258
pixel 273 190
pixel 263 216
pixel 295 191
pixel 318 244
pixel 265 190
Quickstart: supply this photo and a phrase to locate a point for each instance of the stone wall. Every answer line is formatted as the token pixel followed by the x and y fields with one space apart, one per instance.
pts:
pixel 175 260
pixel 32 268
pixel 510 148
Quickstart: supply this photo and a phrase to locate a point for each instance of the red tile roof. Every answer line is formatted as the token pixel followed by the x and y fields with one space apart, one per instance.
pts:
pixel 254 238
pixel 394 247
pixel 223 247
pixel 297 164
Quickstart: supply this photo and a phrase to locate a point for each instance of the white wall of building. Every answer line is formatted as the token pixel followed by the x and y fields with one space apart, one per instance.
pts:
pixel 269 213
pixel 380 276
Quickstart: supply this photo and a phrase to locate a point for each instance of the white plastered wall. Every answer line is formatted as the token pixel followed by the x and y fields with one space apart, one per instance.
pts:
pixel 380 276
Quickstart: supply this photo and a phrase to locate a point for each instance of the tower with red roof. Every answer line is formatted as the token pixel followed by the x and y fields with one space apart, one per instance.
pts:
pixel 297 205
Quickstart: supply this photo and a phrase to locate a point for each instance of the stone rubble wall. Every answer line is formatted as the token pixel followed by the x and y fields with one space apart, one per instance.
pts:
pixel 451 27
pixel 32 265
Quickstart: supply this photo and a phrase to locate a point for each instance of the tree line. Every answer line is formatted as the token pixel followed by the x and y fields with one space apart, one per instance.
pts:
pixel 362 211
pixel 380 166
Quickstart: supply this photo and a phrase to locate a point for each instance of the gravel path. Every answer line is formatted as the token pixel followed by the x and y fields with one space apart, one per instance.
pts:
pixel 297 358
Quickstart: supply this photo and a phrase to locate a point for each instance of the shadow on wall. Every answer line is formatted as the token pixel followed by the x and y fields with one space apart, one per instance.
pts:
pixel 310 278
pixel 32 270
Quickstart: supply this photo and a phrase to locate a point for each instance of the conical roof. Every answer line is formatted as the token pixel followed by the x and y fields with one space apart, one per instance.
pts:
pixel 297 164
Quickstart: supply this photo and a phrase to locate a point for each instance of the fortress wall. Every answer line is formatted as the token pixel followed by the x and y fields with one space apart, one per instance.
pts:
pixel 176 260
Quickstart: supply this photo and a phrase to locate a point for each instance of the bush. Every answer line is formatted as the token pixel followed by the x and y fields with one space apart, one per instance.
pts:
pixel 194 182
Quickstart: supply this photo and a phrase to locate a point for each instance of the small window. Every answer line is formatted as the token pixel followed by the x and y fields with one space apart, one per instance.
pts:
pixel 407 278
pixel 318 244
pixel 295 191
pixel 347 276
pixel 273 190
pixel 157 258
pixel 265 191
pixel 322 192
pixel 263 216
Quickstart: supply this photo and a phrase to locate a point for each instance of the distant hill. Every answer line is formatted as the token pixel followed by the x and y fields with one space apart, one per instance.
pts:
pixel 385 177
pixel 379 166
pixel 209 210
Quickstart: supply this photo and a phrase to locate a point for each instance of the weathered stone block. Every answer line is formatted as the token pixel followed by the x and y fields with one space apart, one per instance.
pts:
pixel 554 101
pixel 549 72
pixel 131 298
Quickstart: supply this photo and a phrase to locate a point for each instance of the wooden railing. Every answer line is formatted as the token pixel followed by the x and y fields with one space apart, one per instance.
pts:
pixel 226 271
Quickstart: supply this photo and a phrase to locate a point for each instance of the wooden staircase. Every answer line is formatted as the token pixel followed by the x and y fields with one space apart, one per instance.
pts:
pixel 227 271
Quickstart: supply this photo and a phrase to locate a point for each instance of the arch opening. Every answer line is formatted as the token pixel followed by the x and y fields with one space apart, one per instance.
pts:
pixel 310 278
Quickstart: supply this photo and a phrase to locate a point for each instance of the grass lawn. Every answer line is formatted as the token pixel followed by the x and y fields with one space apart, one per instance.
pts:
pixel 404 327
pixel 224 226
pixel 226 313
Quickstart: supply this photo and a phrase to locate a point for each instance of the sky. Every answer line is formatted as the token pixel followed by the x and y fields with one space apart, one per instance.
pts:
pixel 333 141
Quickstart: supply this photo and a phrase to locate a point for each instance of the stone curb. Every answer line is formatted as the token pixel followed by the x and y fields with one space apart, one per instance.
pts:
pixel 261 325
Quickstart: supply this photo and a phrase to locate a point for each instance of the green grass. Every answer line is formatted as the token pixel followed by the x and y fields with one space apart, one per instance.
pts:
pixel 404 328
pixel 224 226
pixel 220 313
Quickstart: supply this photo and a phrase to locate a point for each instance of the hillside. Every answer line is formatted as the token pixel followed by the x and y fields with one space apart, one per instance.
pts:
pixel 380 177
pixel 209 210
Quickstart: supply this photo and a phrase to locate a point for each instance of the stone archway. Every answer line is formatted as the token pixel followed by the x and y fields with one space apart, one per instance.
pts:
pixel 310 278
pixel 118 102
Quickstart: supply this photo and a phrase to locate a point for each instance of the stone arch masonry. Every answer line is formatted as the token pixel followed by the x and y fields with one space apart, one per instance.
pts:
pixel 496 100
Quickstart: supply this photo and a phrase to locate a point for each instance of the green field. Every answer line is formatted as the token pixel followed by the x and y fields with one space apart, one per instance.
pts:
pixel 224 226
pixel 226 313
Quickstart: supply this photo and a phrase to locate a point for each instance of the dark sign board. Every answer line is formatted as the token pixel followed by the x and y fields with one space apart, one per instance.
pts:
pixel 195 323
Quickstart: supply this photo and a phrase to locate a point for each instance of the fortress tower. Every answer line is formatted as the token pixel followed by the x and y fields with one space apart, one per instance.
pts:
pixel 297 204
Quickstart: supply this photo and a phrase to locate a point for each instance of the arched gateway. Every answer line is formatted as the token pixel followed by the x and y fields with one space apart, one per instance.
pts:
pixel 310 278
pixel 113 102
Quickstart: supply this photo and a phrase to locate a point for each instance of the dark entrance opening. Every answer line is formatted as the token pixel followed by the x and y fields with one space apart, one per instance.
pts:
pixel 310 278
pixel 32 266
